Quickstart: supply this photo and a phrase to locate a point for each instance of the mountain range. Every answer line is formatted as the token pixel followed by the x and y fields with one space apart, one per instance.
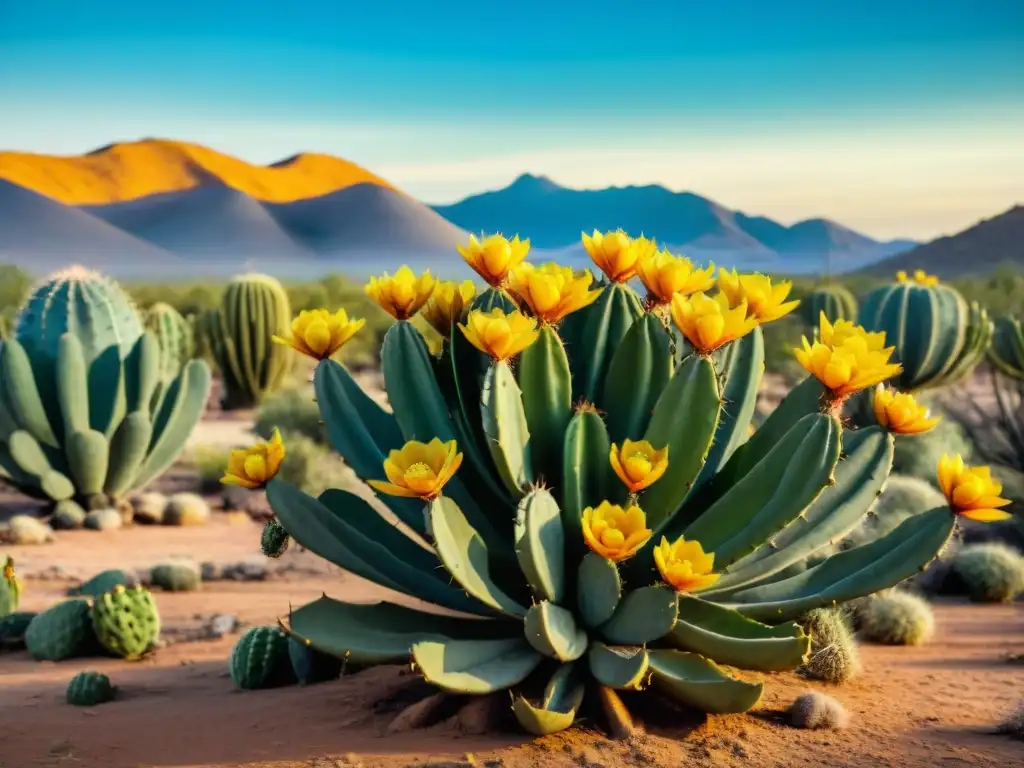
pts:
pixel 160 208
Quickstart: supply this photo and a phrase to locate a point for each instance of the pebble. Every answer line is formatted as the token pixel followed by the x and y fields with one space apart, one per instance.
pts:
pixel 25 529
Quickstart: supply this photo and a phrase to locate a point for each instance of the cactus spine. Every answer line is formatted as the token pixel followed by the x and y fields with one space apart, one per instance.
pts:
pixel 83 411
pixel 174 334
pixel 834 300
pixel 939 337
pixel 253 309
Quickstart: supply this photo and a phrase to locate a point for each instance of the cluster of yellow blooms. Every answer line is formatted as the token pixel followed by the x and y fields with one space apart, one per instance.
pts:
pixel 920 277
pixel 843 356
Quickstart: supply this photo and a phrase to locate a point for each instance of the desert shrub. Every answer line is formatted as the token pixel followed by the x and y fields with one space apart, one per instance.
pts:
pixel 904 496
pixel 987 573
pixel 833 656
pixel 894 617
pixel 816 710
pixel 292 411
pixel 312 467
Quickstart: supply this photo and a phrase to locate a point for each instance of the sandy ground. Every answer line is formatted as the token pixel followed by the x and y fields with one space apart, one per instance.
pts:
pixel 927 706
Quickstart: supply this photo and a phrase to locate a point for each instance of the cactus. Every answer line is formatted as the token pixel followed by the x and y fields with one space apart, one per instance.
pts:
pixel 834 658
pixel 507 535
pixel 987 573
pixel 83 412
pixel 126 621
pixel 939 337
pixel 12 629
pixel 103 582
pixel 176 576
pixel 62 631
pixel 311 666
pixel 893 617
pixel 67 515
pixel 149 508
pixel 253 309
pixel 175 336
pixel 10 589
pixel 87 689
pixel 1007 350
pixel 834 300
pixel 186 509
pixel 816 710
pixel 5 326
pixel 260 660
pixel 274 539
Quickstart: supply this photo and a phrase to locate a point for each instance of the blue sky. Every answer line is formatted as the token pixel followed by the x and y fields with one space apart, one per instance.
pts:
pixel 898 118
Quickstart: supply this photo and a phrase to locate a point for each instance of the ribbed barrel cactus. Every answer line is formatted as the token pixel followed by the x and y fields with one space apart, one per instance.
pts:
pixel 938 337
pixel 638 539
pixel 253 309
pixel 84 413
pixel 175 336
pixel 834 300
pixel 1007 350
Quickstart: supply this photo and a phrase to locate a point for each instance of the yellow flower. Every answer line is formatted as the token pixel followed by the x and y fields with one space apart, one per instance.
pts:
pixel 614 532
pixel 920 277
pixel 616 253
pixel 495 256
pixel 684 565
pixel 638 464
pixel 401 296
pixel 498 334
pixel 900 413
pixel 254 467
pixel 972 492
pixel 665 274
pixel 12 582
pixel 448 304
pixel 419 470
pixel 708 322
pixel 551 291
pixel 765 301
pixel 319 333
pixel 846 358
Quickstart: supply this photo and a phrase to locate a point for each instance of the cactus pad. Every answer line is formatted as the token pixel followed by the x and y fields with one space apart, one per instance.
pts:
pixel 62 631
pixel 126 621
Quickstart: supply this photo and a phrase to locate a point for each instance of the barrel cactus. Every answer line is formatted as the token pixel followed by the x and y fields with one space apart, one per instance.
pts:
pixel 83 411
pixel 1007 350
pixel 10 589
pixel 640 538
pixel 938 337
pixel 834 300
pixel 87 689
pixel 260 660
pixel 253 309
pixel 175 336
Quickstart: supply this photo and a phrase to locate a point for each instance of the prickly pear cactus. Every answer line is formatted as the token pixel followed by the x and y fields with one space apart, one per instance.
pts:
pixel 939 337
pixel 126 621
pixel 103 582
pixel 10 589
pixel 12 629
pixel 83 411
pixel 274 539
pixel 311 666
pixel 62 631
pixel 260 660
pixel 87 689
pixel 600 509
pixel 834 300
pixel 253 309
pixel 175 336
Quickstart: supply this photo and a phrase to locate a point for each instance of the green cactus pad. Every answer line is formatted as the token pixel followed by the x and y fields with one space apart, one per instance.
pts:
pixel 475 666
pixel 563 696
pixel 546 386
pixel 103 582
pixel 622 668
pixel 698 682
pixel 599 590
pixel 260 660
pixel 637 375
pixel 587 477
pixel 12 629
pixel 310 665
pixel 643 616
pixel 540 544
pixel 552 631
pixel 126 621
pixel 505 427
pixel 87 689
pixel 62 631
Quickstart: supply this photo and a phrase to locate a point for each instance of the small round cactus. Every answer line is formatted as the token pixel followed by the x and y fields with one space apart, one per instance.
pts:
pixel 87 689
pixel 274 539
pixel 260 660
pixel 987 573
pixel 896 618
pixel 816 710
pixel 176 576
pixel 186 509
pixel 834 657
pixel 126 621
pixel 67 515
pixel 150 508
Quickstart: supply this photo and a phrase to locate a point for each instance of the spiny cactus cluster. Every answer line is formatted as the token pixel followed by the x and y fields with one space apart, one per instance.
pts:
pixel 644 535
pixel 84 410
pixel 894 617
pixel 834 657
pixel 987 573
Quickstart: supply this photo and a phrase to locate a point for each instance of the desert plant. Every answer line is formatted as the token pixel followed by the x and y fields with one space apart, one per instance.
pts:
pixel 126 621
pixel 103 582
pixel 186 509
pixel 291 411
pixel 62 631
pixel 174 334
pixel 10 589
pixel 893 617
pixel 313 467
pixel 274 539
pixel 253 309
pixel 615 543
pixel 12 630
pixel 67 515
pixel 260 660
pixel 834 658
pixel 88 688
pixel 904 497
pixel 1013 724
pixel 939 337
pixel 987 573
pixel 311 666
pixel 815 710
pixel 83 412
pixel 176 575
pixel 833 299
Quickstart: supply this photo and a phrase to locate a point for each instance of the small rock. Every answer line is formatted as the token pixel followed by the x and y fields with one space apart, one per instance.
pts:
pixel 144 577
pixel 211 571
pixel 221 624
pixel 186 509
pixel 67 515
pixel 481 715
pixel 25 529
pixel 108 519
pixel 150 508
pixel 246 572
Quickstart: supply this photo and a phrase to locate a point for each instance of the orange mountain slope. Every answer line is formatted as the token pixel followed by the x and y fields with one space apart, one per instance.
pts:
pixel 135 169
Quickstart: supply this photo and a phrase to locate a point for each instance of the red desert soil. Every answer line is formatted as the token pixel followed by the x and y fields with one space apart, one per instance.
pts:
pixel 929 706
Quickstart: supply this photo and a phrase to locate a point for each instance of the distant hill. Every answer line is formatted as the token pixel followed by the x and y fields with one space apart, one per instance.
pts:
pixel 136 169
pixel 989 244
pixel 553 216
